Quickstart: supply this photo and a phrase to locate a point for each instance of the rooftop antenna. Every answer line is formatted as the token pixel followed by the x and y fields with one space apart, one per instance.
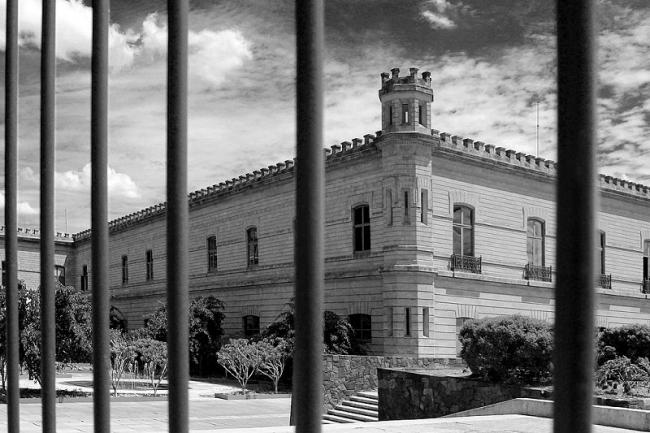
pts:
pixel 537 126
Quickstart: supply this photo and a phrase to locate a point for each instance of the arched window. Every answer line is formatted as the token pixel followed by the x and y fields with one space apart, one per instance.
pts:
pixel 59 273
pixel 460 321
pixel 361 228
pixel 362 325
pixel 463 230
pixel 535 235
pixel 251 325
pixel 251 242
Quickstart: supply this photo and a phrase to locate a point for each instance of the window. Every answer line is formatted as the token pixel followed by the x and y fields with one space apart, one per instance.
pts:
pixel 251 325
pixel 600 263
pixel 425 321
pixel 361 323
pixel 406 205
pixel 149 259
pixel 390 115
pixel 212 253
pixel 424 198
pixel 252 248
pixel 460 321
pixel 646 257
pixel 125 270
pixel 389 206
pixel 84 278
pixel 361 215
pixel 463 231
pixel 535 242
pixel 407 322
pixel 421 114
pixel 4 273
pixel 405 113
pixel 59 274
pixel 391 321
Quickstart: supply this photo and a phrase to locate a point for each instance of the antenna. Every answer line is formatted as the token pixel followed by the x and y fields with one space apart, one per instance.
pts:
pixel 537 126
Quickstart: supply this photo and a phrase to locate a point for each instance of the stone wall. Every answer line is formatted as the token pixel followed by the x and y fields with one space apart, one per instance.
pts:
pixel 345 375
pixel 419 394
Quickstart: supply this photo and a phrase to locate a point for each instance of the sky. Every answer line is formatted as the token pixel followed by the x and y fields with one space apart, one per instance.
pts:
pixel 492 64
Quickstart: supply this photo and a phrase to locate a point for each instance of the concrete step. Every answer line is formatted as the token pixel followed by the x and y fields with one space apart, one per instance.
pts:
pixel 351 415
pixel 369 394
pixel 351 409
pixel 365 400
pixel 332 419
pixel 358 404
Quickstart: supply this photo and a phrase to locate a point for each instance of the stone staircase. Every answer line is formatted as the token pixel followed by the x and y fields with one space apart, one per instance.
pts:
pixel 361 407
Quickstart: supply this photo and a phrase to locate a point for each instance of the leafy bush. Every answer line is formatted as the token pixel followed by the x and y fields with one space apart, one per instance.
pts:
pixel 123 357
pixel 622 371
pixel 241 358
pixel 630 341
pixel 274 355
pixel 513 349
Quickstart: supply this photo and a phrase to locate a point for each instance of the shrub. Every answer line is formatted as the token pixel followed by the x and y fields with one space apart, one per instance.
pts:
pixel 513 349
pixel 630 341
pixel 622 371
pixel 153 356
pixel 274 354
pixel 241 358
pixel 123 355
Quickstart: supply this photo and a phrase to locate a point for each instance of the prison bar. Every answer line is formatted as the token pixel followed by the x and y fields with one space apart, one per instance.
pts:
pixel 11 215
pixel 99 218
pixel 177 217
pixel 48 286
pixel 577 204
pixel 310 190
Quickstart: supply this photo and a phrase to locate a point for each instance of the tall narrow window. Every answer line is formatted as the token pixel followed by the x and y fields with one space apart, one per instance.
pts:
pixel 406 205
pixel 391 321
pixel 149 259
pixel 390 115
pixel 125 270
pixel 421 114
pixel 361 228
pixel 212 253
pixel 59 273
pixel 601 254
pixel 389 206
pixel 407 321
pixel 4 273
pixel 251 325
pixel 463 231
pixel 535 242
pixel 424 199
pixel 405 113
pixel 362 326
pixel 425 321
pixel 251 242
pixel 84 278
pixel 646 257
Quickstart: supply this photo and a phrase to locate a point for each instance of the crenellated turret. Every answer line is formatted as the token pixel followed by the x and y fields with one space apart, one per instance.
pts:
pixel 406 101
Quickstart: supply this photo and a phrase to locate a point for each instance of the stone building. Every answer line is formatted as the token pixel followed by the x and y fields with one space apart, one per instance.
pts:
pixel 424 230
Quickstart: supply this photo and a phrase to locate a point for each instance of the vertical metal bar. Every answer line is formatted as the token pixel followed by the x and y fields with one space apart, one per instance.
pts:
pixel 177 217
pixel 577 204
pixel 310 224
pixel 48 287
pixel 99 223
pixel 11 214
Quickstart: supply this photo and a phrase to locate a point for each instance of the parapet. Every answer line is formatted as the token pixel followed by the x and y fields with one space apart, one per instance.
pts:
pixel 31 233
pixel 393 81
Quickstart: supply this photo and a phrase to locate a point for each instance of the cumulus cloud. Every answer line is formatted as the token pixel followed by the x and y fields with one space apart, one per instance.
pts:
pixel 440 14
pixel 119 184
pixel 24 208
pixel 438 21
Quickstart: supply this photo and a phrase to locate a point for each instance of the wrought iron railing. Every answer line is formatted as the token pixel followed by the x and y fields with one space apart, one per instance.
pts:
pixel 605 281
pixel 459 262
pixel 539 273
pixel 645 287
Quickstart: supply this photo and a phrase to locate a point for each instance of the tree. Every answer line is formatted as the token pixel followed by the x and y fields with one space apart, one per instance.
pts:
pixel 274 354
pixel 123 356
pixel 241 359
pixel 153 354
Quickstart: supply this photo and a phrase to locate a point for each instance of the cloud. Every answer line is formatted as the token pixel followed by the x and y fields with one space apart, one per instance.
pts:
pixel 24 208
pixel 439 13
pixel 438 21
pixel 119 184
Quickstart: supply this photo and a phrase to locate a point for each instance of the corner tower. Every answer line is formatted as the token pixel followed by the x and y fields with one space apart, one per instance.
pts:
pixel 406 102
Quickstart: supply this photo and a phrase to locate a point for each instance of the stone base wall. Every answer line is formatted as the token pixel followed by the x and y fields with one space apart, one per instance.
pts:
pixel 345 375
pixel 419 394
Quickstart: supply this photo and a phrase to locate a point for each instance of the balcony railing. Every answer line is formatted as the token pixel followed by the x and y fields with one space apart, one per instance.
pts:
pixel 605 281
pixel 539 273
pixel 465 263
pixel 645 288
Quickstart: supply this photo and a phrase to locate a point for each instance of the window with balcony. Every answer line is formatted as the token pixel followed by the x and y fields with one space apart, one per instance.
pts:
pixel 84 278
pixel 251 325
pixel 535 247
pixel 212 253
pixel 59 274
pixel 125 270
pixel 252 247
pixel 361 228
pixel 362 325
pixel 463 241
pixel 149 261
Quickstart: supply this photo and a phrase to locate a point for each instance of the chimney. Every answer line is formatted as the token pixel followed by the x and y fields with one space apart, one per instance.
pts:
pixel 395 72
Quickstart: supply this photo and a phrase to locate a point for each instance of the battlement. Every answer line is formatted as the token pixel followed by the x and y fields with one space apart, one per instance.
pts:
pixel 531 162
pixel 335 152
pixel 30 233
pixel 392 81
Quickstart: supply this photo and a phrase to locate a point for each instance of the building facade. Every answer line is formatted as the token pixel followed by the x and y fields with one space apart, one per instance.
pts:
pixel 424 230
